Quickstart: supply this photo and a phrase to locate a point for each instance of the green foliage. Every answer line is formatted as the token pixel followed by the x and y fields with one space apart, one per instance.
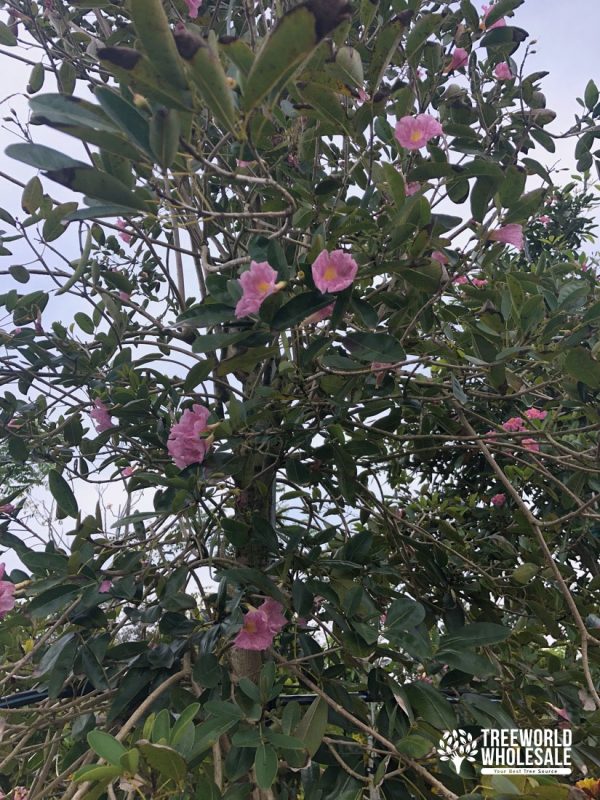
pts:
pixel 435 563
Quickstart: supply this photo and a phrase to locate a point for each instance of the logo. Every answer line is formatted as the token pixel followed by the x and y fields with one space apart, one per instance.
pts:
pixel 509 751
pixel 456 746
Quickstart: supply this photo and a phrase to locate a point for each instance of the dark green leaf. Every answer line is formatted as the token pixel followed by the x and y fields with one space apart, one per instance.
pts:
pixel 62 493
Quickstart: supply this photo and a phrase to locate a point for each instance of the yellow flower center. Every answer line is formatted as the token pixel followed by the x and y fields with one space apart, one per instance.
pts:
pixel 330 272
pixel 264 286
pixel 250 626
pixel 415 136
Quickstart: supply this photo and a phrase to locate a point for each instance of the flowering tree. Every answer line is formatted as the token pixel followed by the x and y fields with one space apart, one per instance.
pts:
pixel 323 318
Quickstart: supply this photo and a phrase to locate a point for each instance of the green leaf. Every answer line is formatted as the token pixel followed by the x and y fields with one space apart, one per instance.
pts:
pixel 284 742
pixel 326 106
pixel 265 765
pixel 287 47
pixel 186 716
pixel 57 661
pixel 52 600
pixel 59 108
pixel 198 373
pixel 41 157
pixel 500 9
pixel 136 70
pixel 106 746
pixel 85 323
pixel 527 205
pixel 32 195
pixel 99 212
pixel 97 184
pixel 420 32
pixel 591 95
pixel 374 347
pixel 62 493
pixel 429 704
pixel 125 116
pixel 583 367
pixel 312 726
pixel 414 746
pixel 386 46
pixel 164 135
pixel 512 186
pixel 206 70
pixel 152 26
pixel 404 614
pixel 298 309
pixel 481 195
pixel 19 273
pixel 7 37
pixel 163 759
pixel 207 314
pixel 475 635
pixel 430 170
pixel 36 79
pixel 97 772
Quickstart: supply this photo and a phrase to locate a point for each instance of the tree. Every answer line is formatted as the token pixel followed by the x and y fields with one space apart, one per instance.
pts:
pixel 316 314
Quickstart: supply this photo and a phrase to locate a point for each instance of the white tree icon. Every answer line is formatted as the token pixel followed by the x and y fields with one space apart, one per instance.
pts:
pixel 457 746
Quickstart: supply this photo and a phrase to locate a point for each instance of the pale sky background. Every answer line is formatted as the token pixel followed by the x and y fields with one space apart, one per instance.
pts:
pixel 566 32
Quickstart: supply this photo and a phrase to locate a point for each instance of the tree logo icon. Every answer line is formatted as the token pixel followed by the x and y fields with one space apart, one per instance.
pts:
pixel 457 746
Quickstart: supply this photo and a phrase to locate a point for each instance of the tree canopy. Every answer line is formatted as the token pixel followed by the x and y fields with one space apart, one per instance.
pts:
pixel 296 284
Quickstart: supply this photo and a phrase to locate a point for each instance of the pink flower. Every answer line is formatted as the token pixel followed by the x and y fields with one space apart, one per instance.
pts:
pixel 185 444
pixel 501 23
pixel 513 424
pixel 498 500
pixel 490 435
pixel 193 6
pixel 508 234
pixel 122 226
pixel 544 219
pixel 479 283
pixel 21 793
pixel 127 472
pixel 503 72
pixel 257 283
pixel 437 255
pixel 531 444
pixel 105 586
pixel 536 413
pixel 255 633
pixel 260 626
pixel 413 133
pixel 412 188
pixel 244 164
pixel 460 280
pixel 7 591
pixel 319 316
pixel 7 508
pixel 124 296
pixel 333 272
pixel 363 96
pixel 274 613
pixel 459 59
pixel 101 416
